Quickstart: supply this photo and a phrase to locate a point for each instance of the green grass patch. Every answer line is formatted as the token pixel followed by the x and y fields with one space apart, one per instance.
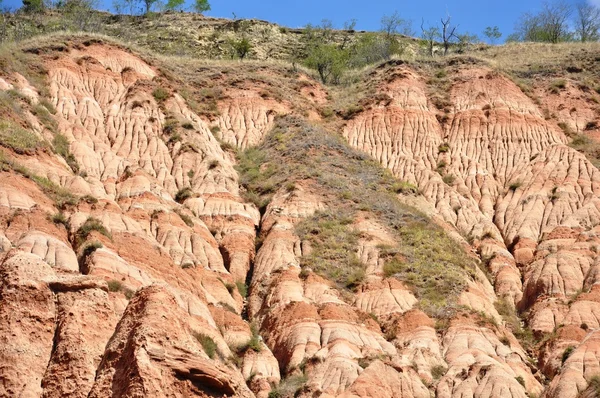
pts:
pixel 333 242
pixel 20 140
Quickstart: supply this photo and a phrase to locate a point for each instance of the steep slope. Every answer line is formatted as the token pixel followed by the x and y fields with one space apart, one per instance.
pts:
pixel 172 227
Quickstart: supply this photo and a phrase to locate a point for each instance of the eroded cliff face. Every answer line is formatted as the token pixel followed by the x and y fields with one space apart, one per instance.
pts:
pixel 385 253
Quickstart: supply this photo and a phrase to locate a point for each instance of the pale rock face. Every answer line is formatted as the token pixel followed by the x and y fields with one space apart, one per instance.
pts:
pixel 53 251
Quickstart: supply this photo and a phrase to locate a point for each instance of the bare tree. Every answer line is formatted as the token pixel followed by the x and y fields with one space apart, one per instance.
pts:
pixel 549 25
pixel 429 35
pixel 448 33
pixel 587 21
pixel 393 24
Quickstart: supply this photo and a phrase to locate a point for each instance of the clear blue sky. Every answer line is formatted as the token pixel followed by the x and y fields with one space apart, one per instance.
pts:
pixel 471 15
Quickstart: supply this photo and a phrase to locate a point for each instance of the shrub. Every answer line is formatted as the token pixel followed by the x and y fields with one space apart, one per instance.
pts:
pixel 515 185
pixel 240 48
pixel 255 341
pixel 558 85
pixel 90 225
pixel 183 194
pixel 350 111
pixel 160 94
pixel 242 288
pixel 392 267
pixel 170 126
pixel 45 117
pixel 567 353
pixel 89 199
pixel 208 344
pixel 405 187
pixel 87 251
pixel 187 125
pixel 289 387
pixel 60 218
pixel 438 371
pixel 521 380
pixel 443 148
pixel 48 105
pixel 114 285
pixel 328 60
pixel 448 179
pixel 357 276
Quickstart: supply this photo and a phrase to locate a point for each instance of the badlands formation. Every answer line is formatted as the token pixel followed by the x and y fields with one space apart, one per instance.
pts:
pixel 229 229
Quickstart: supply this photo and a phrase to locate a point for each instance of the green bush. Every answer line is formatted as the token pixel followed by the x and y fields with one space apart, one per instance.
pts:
pixel 114 285
pixel 90 225
pixel 89 199
pixel 254 343
pixel 160 94
pixel 521 380
pixel 515 185
pixel 438 371
pixel 289 387
pixel 392 267
pixel 594 384
pixel 240 48
pixel 208 344
pixel 558 85
pixel 183 194
pixel 328 60
pixel 443 148
pixel 170 126
pixel 448 179
pixel 567 353
pixel 87 251
pixel 60 218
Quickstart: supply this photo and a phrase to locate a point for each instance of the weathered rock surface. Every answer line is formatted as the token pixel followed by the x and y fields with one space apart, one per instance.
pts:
pixel 181 287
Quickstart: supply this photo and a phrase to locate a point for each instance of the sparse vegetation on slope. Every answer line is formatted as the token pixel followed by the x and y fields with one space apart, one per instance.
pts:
pixel 297 151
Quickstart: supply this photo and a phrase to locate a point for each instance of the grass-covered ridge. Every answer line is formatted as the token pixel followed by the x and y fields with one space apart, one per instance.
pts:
pixel 425 257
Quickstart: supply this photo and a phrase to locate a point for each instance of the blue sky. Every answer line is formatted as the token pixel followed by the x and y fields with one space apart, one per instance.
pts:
pixel 471 15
